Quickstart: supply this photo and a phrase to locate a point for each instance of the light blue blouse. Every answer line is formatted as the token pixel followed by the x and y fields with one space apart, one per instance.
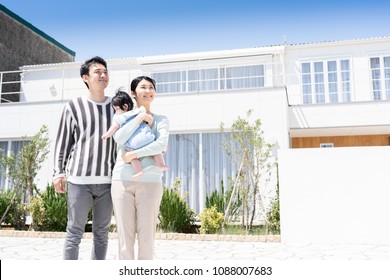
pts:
pixel 152 173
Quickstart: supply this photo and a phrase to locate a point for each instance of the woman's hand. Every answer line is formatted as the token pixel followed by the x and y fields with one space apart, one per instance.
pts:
pixel 148 118
pixel 145 117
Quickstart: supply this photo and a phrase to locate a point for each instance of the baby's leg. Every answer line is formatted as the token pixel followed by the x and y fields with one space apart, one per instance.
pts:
pixel 136 164
pixel 159 159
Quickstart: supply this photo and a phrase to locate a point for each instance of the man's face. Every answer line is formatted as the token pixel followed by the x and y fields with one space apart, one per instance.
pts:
pixel 98 77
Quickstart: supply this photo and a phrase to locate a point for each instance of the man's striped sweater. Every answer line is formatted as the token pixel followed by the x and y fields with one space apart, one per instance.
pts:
pixel 80 153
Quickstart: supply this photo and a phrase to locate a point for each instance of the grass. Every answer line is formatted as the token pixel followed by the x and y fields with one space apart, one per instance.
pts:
pixel 234 230
pixel 241 230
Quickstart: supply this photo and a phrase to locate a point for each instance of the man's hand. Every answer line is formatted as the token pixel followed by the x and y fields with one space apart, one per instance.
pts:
pixel 60 184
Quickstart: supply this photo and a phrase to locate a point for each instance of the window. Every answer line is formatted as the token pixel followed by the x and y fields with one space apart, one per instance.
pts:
pixel 170 82
pixel 345 80
pixel 245 77
pixel 326 145
pixel 6 148
pixel 326 81
pixel 306 83
pixel 200 163
pixel 210 79
pixel 319 87
pixel 380 77
pixel 203 80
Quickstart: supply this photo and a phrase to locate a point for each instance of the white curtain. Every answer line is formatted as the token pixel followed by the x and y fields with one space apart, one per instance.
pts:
pixel 4 152
pixel 16 147
pixel 182 157
pixel 245 77
pixel 210 79
pixel 217 167
pixel 200 163
pixel 203 80
pixel 170 82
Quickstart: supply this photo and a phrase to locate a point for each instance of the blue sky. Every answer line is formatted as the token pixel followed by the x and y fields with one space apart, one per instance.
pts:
pixel 127 28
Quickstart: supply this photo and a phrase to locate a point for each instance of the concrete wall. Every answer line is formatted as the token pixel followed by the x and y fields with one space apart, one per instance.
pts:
pixel 335 195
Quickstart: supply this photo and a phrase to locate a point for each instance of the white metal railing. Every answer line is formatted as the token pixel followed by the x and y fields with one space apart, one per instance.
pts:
pixel 10 85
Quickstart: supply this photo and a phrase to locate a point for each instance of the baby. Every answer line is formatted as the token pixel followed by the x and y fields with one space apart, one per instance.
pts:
pixel 124 112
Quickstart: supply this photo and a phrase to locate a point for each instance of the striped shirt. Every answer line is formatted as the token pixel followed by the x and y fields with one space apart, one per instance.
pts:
pixel 80 153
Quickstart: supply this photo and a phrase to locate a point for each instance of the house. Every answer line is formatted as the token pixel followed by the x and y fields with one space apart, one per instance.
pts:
pixel 325 94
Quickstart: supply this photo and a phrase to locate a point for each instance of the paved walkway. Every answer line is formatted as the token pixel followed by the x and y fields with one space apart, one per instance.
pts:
pixel 50 248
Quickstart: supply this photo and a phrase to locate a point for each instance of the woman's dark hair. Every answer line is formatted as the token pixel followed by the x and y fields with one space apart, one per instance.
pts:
pixel 136 81
pixel 84 69
pixel 121 99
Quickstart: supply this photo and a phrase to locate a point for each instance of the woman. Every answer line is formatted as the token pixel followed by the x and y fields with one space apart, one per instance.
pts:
pixel 137 200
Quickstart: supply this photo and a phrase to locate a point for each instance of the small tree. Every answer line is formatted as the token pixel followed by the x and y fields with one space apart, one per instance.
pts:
pixel 249 152
pixel 22 169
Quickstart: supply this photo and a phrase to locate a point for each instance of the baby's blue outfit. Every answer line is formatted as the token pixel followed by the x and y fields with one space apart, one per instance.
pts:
pixel 142 136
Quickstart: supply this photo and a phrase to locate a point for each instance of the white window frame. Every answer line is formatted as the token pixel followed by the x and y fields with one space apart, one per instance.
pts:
pixel 184 67
pixel 325 96
pixel 384 82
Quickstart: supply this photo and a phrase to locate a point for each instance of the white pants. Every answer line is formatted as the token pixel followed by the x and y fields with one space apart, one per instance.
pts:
pixel 136 209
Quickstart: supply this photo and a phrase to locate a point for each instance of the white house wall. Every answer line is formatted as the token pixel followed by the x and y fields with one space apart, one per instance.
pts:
pixel 46 88
pixel 358 51
pixel 205 112
pixel 63 82
pixel 25 120
pixel 363 117
pixel 335 196
pixel 188 113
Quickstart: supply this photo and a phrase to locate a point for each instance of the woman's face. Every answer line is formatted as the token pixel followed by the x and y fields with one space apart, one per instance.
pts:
pixel 144 93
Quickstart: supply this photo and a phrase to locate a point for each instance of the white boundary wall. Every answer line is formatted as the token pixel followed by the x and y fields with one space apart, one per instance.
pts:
pixel 335 195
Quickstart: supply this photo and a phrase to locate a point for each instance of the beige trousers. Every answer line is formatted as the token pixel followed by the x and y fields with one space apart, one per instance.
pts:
pixel 136 209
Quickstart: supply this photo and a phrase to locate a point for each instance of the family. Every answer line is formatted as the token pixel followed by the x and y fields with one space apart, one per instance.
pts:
pixel 109 155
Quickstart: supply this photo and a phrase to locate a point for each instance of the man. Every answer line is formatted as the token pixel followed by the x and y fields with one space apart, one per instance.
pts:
pixel 86 161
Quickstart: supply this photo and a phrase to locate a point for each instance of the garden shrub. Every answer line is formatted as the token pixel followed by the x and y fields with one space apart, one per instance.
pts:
pixel 5 200
pixel 49 210
pixel 175 214
pixel 221 200
pixel 211 220
pixel 273 215
pixel 218 199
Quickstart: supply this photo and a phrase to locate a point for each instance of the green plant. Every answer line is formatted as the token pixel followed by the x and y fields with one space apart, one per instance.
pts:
pixel 19 214
pixel 6 202
pixel 220 200
pixel 49 210
pixel 217 199
pixel 236 229
pixel 175 215
pixel 273 215
pixel 38 211
pixel 21 169
pixel 211 220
